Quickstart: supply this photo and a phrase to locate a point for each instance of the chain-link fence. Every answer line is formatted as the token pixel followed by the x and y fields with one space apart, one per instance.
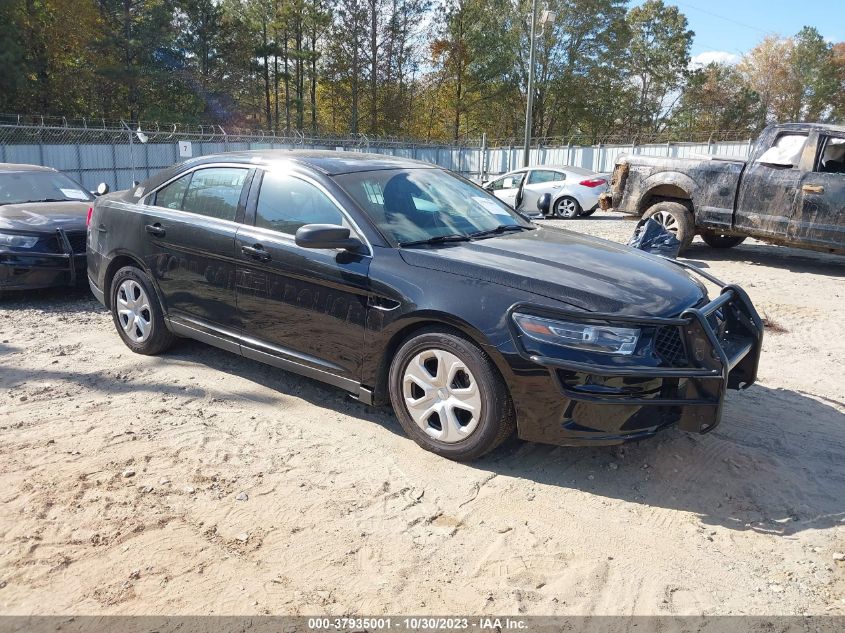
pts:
pixel 118 153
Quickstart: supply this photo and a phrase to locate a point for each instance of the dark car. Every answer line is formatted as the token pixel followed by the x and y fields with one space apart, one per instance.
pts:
pixel 42 228
pixel 790 191
pixel 401 282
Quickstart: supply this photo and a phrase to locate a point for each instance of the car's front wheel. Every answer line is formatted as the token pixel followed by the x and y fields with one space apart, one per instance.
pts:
pixel 449 397
pixel 137 313
pixel 566 207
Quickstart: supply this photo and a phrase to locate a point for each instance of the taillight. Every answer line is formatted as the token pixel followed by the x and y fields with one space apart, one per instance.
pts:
pixel 593 182
pixel 88 219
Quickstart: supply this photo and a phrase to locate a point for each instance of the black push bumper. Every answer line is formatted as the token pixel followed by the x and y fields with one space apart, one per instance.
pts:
pixel 31 269
pixel 718 348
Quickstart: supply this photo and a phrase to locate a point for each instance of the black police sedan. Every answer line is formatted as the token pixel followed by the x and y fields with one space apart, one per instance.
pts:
pixel 42 227
pixel 402 282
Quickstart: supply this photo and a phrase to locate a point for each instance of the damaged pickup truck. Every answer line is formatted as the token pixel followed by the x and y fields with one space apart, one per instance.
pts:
pixel 790 191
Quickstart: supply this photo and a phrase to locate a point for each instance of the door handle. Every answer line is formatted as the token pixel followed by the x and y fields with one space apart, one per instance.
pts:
pixel 155 229
pixel 256 252
pixel 812 189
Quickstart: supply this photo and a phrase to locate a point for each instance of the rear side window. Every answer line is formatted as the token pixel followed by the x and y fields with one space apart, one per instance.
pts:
pixel 543 175
pixel 215 192
pixel 286 203
pixel 832 158
pixel 173 195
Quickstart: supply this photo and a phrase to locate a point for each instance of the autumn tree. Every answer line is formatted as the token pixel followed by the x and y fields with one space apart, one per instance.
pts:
pixel 657 59
pixel 474 56
pixel 715 98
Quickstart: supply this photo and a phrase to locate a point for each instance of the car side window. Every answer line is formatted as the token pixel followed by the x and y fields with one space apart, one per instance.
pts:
pixel 286 203
pixel 215 192
pixel 832 157
pixel 538 176
pixel 785 151
pixel 173 195
pixel 497 184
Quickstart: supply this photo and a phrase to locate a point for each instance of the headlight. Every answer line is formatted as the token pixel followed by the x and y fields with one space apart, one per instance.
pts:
pixel 18 241
pixel 595 338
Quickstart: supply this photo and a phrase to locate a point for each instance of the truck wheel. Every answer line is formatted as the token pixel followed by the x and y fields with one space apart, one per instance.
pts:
pixel 449 397
pixel 675 218
pixel 721 241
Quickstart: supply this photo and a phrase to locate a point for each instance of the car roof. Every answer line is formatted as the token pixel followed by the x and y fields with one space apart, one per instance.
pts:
pixel 23 167
pixel 804 127
pixel 329 162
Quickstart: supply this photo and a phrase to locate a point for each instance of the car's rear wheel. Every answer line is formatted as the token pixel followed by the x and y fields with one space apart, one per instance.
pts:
pixel 716 240
pixel 137 313
pixel 449 397
pixel 675 218
pixel 566 207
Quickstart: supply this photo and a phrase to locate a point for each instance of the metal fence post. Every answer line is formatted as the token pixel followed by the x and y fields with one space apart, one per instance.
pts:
pixel 482 176
pixel 131 150
pixel 40 146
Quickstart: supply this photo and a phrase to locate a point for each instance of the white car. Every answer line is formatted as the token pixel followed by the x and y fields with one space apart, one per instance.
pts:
pixel 574 191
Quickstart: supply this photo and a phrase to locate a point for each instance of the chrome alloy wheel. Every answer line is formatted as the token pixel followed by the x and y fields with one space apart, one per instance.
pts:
pixel 667 220
pixel 133 311
pixel 566 208
pixel 442 395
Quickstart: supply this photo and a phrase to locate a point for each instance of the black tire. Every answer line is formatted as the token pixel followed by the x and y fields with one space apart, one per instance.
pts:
pixel 676 218
pixel 159 338
pixel 589 212
pixel 715 240
pixel 497 420
pixel 566 207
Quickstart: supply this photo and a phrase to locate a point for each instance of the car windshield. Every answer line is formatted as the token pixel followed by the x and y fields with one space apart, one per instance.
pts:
pixel 38 186
pixel 422 205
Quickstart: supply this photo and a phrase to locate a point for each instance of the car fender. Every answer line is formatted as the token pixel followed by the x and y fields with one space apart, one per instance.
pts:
pixel 668 184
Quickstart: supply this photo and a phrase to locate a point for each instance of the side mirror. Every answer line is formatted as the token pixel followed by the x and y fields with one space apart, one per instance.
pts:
pixel 544 203
pixel 102 189
pixel 326 236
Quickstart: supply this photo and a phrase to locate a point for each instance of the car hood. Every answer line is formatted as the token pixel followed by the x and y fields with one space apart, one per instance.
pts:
pixel 585 272
pixel 46 216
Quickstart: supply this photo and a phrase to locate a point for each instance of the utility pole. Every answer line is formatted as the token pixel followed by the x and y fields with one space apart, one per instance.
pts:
pixel 529 106
pixel 547 18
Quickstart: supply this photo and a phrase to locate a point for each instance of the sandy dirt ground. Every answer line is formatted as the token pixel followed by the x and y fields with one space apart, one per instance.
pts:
pixel 199 482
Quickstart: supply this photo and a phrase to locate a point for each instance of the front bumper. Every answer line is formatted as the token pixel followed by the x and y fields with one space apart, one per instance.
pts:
pixel 718 348
pixel 29 270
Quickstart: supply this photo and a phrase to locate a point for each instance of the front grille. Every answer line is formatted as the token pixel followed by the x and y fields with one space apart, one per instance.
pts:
pixel 49 244
pixel 670 346
pixel 77 241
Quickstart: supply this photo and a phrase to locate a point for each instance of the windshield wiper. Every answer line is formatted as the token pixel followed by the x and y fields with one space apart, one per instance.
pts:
pixel 41 200
pixel 439 239
pixel 502 228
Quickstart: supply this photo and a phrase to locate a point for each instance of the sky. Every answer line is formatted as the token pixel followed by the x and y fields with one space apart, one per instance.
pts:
pixel 725 29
